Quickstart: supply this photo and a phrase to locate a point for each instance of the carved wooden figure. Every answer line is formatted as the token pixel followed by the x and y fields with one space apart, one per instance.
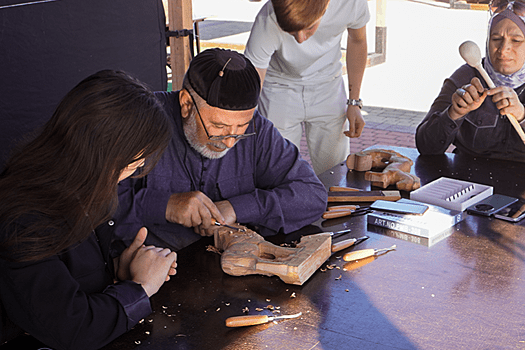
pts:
pixel 247 253
pixel 396 168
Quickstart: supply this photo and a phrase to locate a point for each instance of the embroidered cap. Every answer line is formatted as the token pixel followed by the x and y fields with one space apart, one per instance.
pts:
pixel 225 79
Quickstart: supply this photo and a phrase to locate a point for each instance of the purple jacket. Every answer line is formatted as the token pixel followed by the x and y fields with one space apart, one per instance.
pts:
pixel 481 133
pixel 69 301
pixel 263 177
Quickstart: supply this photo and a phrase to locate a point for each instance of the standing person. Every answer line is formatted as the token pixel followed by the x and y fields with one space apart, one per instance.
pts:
pixel 58 194
pixel 225 163
pixel 296 47
pixel 469 115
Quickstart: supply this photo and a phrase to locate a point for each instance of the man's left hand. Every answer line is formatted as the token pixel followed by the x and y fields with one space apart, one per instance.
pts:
pixel 357 123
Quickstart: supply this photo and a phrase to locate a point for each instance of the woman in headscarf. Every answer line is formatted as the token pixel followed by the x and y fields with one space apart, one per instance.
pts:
pixel 57 281
pixel 473 117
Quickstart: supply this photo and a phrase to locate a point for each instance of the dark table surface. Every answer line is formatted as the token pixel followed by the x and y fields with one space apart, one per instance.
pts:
pixel 465 292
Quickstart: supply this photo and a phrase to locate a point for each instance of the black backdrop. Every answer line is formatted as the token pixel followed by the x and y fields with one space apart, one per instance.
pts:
pixel 48 46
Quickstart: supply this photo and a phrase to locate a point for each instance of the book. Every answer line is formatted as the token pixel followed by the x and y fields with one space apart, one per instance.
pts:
pixel 427 229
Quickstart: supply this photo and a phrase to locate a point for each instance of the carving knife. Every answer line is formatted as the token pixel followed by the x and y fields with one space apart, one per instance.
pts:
pixel 252 320
pixel 365 253
pixel 363 196
pixel 347 243
pixel 216 223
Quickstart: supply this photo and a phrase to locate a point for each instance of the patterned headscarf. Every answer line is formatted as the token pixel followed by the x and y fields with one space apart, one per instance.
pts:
pixel 516 79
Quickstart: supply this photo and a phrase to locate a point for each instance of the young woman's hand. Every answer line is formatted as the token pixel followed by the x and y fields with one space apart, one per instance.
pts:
pixel 149 266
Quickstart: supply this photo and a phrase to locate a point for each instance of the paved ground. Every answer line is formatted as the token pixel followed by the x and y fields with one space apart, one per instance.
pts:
pixel 423 37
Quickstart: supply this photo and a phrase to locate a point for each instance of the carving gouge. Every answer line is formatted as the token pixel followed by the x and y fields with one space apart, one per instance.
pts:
pixel 365 253
pixel 252 320
pixel 347 243
pixel 216 223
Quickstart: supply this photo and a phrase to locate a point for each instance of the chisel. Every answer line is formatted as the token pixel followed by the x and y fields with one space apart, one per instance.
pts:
pixel 252 320
pixel 365 253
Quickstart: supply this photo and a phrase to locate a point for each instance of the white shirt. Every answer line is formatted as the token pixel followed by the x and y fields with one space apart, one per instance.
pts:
pixel 317 59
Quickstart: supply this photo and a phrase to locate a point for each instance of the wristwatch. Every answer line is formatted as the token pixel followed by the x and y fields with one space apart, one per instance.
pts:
pixel 352 102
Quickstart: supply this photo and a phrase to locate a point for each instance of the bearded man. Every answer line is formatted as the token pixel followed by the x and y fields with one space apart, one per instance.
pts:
pixel 225 163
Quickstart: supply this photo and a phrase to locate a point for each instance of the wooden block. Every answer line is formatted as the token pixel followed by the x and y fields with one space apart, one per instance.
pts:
pixel 247 253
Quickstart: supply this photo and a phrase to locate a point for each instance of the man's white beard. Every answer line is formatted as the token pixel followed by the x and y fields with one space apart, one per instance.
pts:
pixel 190 131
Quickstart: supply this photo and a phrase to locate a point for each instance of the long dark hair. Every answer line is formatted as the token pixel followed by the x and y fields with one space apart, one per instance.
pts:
pixel 63 184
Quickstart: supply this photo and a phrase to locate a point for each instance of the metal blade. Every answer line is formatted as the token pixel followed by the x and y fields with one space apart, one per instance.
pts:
pixel 286 316
pixel 339 233
pixel 232 227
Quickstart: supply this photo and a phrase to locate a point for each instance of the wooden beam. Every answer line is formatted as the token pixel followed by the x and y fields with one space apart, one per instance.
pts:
pixel 179 17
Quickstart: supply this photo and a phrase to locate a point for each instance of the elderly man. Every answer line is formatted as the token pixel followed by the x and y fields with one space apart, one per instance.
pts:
pixel 225 164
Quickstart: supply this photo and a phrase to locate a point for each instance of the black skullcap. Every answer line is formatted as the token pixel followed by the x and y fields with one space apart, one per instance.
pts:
pixel 225 79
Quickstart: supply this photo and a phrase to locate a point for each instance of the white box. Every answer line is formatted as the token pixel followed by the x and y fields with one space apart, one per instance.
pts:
pixel 451 193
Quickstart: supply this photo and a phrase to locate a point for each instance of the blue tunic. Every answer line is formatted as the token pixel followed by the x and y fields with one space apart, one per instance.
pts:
pixel 264 178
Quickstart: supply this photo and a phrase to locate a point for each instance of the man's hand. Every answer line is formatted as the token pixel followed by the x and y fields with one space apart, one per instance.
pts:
pixel 228 214
pixel 192 209
pixel 357 123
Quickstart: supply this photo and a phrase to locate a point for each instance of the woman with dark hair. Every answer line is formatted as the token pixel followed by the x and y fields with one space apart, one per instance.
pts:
pixel 57 281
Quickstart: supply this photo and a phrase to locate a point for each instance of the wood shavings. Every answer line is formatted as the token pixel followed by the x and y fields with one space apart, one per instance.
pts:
pixel 338 278
pixel 246 310
pixel 276 311
pixel 346 290
pixel 270 307
pixel 268 300
pixel 218 309
pixel 323 270
pixel 137 342
pixel 227 304
pixel 293 295
pixel 211 248
pixel 331 267
pixel 258 309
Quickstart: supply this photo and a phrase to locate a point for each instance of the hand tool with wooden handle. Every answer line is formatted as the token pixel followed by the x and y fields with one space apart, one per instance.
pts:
pixel 339 188
pixel 347 243
pixel 471 53
pixel 365 253
pixel 252 320
pixel 363 196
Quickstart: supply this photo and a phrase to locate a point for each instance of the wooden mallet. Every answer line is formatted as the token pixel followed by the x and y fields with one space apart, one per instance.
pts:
pixel 471 53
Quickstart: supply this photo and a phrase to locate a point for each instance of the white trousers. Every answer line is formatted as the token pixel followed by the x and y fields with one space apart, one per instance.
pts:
pixel 322 109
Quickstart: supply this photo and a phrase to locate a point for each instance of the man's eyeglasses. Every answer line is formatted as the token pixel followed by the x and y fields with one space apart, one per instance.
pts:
pixel 222 137
pixel 497 6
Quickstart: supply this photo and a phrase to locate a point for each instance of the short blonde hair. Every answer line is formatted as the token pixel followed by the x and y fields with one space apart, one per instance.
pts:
pixel 295 15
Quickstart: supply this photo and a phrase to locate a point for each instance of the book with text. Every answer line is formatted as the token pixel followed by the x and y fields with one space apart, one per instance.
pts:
pixel 426 229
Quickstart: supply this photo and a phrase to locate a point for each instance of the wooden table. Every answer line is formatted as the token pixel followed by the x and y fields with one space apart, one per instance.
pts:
pixel 465 292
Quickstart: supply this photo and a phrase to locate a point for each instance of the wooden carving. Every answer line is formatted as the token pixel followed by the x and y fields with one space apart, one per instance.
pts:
pixel 396 168
pixel 247 253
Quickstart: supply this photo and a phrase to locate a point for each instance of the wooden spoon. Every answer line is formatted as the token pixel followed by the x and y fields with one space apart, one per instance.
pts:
pixel 471 53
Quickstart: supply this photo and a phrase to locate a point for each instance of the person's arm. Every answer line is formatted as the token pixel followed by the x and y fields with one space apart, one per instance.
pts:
pixel 437 130
pixel 48 303
pixel 69 301
pixel 288 195
pixel 262 74
pixel 356 56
